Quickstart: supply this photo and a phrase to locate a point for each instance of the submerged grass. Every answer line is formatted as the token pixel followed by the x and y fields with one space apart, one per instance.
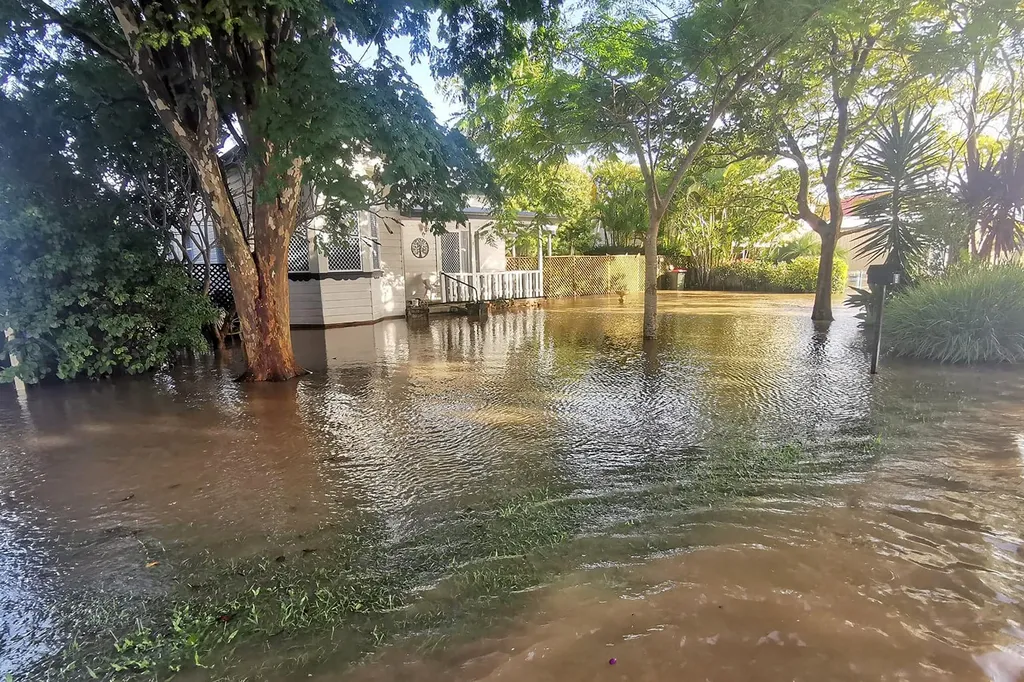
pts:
pixel 362 588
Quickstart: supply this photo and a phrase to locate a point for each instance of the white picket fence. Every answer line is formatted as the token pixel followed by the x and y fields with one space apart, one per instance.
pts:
pixel 463 287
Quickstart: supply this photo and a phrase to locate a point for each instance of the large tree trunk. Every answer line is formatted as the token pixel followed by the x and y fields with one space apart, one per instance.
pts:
pixel 178 80
pixel 259 278
pixel 269 355
pixel 266 332
pixel 822 310
pixel 651 279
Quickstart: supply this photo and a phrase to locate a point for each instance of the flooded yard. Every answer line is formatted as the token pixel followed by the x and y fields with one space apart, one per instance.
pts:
pixel 530 496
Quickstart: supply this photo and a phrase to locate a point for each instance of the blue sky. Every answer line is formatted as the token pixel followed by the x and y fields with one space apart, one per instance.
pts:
pixel 444 110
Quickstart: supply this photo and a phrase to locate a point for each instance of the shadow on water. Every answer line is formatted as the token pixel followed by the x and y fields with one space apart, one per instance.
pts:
pixel 523 497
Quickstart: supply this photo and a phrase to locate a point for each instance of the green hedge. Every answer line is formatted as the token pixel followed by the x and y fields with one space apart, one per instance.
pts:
pixel 89 296
pixel 968 316
pixel 796 276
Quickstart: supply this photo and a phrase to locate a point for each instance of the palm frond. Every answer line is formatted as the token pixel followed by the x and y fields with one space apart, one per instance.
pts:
pixel 896 170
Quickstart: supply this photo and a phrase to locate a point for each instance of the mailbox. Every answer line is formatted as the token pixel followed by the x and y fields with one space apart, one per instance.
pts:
pixel 884 275
pixel 880 277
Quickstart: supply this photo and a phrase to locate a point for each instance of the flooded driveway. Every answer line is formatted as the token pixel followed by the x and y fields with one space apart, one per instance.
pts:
pixel 525 497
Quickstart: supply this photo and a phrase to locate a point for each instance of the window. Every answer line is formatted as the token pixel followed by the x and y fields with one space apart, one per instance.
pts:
pixel 343 255
pixel 298 250
pixel 358 250
pixel 451 260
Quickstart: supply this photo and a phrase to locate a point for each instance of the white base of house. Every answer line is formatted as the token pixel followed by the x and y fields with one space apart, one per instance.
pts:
pixel 333 299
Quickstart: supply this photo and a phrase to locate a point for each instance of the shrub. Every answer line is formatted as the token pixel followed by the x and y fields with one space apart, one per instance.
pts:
pixel 969 316
pixel 796 276
pixel 90 296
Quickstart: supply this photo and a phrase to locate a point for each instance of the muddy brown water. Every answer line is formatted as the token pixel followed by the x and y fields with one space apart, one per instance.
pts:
pixel 904 564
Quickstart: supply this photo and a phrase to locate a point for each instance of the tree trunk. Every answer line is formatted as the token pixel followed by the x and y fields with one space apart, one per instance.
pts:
pixel 651 278
pixel 259 279
pixel 822 310
pixel 266 335
pixel 268 352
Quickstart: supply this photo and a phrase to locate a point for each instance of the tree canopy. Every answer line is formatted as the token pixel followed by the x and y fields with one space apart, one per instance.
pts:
pixel 285 83
pixel 649 82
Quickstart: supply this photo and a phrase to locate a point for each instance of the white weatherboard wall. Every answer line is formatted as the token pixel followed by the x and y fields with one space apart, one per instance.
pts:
pixel 325 298
pixel 422 275
pixel 387 290
pixel 346 301
pixel 490 253
pixel 306 304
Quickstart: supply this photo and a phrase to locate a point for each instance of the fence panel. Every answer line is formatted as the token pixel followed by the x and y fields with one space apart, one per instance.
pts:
pixel 569 276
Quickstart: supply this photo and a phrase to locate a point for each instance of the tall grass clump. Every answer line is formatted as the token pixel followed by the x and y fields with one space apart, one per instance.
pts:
pixel 969 316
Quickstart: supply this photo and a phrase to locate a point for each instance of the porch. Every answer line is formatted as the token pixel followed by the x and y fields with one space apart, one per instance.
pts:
pixel 465 287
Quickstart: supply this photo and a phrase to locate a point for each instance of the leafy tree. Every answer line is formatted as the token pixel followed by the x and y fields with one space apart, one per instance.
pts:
pixel 750 199
pixel 653 83
pixel 897 171
pixel 821 103
pixel 85 285
pixel 725 209
pixel 560 193
pixel 111 137
pixel 621 202
pixel 985 46
pixel 803 245
pixel 89 296
pixel 277 80
pixel 576 210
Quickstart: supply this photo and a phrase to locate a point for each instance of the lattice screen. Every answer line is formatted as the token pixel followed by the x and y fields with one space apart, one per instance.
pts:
pixel 343 254
pixel 567 276
pixel 451 257
pixel 298 250
pixel 220 285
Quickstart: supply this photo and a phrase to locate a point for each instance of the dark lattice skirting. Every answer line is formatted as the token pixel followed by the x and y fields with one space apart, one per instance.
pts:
pixel 220 285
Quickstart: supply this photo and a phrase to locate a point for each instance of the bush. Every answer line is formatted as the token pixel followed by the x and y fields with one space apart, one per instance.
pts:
pixel 969 316
pixel 796 276
pixel 91 297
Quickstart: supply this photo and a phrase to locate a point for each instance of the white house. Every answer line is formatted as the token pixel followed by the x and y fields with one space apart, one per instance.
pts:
pixel 386 262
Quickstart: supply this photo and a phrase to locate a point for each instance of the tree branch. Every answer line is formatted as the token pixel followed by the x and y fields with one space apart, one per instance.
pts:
pixel 804 211
pixel 83 34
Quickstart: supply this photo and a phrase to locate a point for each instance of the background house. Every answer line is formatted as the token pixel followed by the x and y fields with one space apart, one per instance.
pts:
pixel 382 262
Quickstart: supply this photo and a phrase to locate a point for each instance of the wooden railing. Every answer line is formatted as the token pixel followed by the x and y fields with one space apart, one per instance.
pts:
pixel 462 287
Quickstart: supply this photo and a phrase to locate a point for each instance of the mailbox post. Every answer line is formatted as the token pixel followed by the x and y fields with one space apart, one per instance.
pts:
pixel 882 277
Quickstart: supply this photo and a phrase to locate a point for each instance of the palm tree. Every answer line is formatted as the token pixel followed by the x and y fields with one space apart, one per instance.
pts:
pixel 994 194
pixel 897 169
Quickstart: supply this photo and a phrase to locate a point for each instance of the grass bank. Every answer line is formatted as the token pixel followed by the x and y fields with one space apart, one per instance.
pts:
pixel 356 589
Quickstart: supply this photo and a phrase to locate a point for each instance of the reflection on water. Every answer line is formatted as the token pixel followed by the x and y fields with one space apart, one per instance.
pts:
pixel 904 566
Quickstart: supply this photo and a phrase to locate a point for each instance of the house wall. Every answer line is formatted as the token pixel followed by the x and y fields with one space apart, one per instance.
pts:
pixel 491 254
pixel 420 273
pixel 320 297
pixel 306 304
pixel 490 248
pixel 325 298
pixel 346 301
pixel 388 290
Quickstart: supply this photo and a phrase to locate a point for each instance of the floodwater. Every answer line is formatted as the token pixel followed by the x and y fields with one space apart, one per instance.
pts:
pixel 620 481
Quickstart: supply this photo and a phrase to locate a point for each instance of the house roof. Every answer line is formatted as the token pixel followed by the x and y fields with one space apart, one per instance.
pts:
pixel 848 203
